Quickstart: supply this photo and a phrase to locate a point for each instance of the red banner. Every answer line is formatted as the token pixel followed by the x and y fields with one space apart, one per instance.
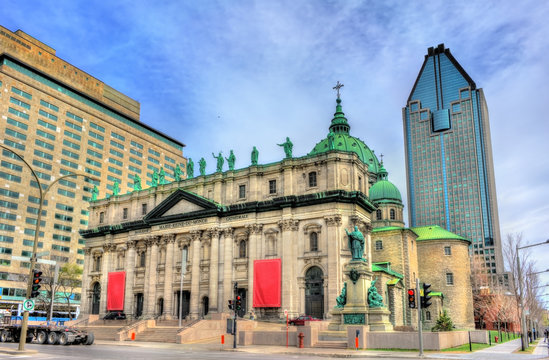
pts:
pixel 115 291
pixel 267 283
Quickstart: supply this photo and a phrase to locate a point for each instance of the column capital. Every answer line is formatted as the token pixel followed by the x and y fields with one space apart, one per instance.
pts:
pixel 152 241
pixel 364 226
pixel 109 247
pixel 333 220
pixel 132 244
pixel 255 228
pixel 196 234
pixel 289 224
pixel 87 251
pixel 228 232
pixel 167 239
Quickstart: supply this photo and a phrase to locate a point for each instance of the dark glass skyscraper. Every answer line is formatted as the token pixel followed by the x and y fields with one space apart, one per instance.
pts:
pixel 450 170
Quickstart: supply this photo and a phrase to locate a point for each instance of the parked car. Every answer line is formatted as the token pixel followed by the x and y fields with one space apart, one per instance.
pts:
pixel 115 315
pixel 300 320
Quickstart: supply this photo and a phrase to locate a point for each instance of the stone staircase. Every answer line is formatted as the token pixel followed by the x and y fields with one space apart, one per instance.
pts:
pixel 166 334
pixel 324 344
pixel 105 329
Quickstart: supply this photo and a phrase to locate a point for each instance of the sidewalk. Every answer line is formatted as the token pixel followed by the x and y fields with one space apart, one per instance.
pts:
pixel 542 349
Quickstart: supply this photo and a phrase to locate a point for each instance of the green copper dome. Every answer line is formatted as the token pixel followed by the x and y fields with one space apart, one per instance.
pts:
pixel 384 190
pixel 339 139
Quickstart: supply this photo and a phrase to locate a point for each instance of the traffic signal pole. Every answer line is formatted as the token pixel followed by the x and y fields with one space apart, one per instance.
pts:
pixel 419 323
pixel 234 321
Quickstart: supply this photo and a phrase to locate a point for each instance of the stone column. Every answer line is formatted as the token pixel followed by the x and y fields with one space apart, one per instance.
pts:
pixel 214 270
pixel 146 285
pixel 289 262
pixel 104 277
pixel 168 276
pixel 195 274
pixel 153 280
pixel 129 265
pixel 335 273
pixel 253 244
pixel 86 281
pixel 228 267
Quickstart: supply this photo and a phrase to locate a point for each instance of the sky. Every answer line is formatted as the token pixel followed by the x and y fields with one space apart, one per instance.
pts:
pixel 222 75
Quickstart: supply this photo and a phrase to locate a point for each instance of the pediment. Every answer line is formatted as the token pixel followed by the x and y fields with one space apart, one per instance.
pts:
pixel 180 204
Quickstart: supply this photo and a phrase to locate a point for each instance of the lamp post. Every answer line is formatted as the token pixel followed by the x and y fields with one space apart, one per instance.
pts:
pixel 24 322
pixel 522 317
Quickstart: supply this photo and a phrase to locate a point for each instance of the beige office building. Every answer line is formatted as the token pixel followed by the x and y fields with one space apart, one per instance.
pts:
pixel 62 120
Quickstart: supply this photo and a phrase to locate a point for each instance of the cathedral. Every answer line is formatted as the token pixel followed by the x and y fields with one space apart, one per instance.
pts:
pixel 273 234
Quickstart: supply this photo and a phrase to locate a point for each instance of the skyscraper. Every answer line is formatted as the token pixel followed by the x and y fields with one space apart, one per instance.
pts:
pixel 450 170
pixel 62 120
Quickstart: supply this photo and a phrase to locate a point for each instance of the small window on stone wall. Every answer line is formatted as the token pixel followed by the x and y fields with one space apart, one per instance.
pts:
pixel 449 279
pixel 313 241
pixel 428 315
pixel 142 259
pixel 378 214
pixel 125 213
pixel 242 191
pixel 101 217
pixel 379 245
pixel 312 178
pixel 97 264
pixel 447 250
pixel 392 214
pixel 143 209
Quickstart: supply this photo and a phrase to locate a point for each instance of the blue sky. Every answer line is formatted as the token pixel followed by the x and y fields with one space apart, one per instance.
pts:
pixel 221 75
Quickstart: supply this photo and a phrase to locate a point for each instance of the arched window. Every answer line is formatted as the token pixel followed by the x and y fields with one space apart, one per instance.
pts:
pixel 378 214
pixel 313 241
pixel 185 253
pixel 392 214
pixel 242 249
pixel 379 245
pixel 312 178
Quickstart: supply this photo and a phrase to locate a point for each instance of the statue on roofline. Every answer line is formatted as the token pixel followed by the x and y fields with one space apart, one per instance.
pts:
pixel 288 146
pixel 136 183
pixel 220 161
pixel 231 160
pixel 190 168
pixel 202 165
pixel 177 173
pixel 255 156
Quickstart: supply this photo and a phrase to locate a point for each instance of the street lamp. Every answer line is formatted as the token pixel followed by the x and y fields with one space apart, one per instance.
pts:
pixel 522 317
pixel 24 322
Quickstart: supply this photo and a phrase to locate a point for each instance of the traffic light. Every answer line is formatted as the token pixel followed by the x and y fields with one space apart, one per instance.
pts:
pixel 425 299
pixel 231 306
pixel 36 279
pixel 238 302
pixel 411 298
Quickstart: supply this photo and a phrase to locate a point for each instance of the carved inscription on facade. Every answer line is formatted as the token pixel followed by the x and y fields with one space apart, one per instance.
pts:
pixel 181 224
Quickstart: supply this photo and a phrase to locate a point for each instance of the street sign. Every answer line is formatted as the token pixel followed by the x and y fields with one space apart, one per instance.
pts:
pixel 28 305
pixel 27 259
pixel 285 312
pixel 43 253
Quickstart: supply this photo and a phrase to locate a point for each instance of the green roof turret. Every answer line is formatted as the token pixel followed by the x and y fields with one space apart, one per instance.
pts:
pixel 384 190
pixel 339 139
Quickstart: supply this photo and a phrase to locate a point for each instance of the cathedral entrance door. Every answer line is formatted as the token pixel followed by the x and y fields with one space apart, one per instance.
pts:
pixel 314 292
pixel 96 297
pixel 138 304
pixel 186 303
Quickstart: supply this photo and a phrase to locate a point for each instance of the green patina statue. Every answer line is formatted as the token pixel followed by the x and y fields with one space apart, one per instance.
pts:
pixel 162 177
pixel 95 193
pixel 356 243
pixel 331 139
pixel 115 188
pixel 155 179
pixel 374 299
pixel 136 183
pixel 220 161
pixel 255 156
pixel 177 173
pixel 202 166
pixel 288 146
pixel 190 168
pixel 231 160
pixel 341 300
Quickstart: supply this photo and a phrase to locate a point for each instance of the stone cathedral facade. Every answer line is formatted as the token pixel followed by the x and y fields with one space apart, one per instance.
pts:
pixel 207 232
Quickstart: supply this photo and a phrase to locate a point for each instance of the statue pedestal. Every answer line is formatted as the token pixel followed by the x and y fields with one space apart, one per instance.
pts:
pixel 355 311
pixel 379 319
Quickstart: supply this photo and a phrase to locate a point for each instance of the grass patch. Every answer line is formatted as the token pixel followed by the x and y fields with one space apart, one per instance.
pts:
pixel 530 349
pixel 502 337
pixel 465 348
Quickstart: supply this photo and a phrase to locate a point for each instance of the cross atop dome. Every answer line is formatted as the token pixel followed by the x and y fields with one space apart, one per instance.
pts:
pixel 337 87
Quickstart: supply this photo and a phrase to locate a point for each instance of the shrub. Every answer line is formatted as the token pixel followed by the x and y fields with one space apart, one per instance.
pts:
pixel 444 323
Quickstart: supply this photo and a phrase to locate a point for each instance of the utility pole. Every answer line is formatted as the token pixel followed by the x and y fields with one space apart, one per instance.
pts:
pixel 234 321
pixel 419 322
pixel 53 287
